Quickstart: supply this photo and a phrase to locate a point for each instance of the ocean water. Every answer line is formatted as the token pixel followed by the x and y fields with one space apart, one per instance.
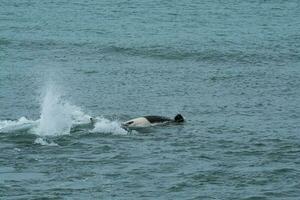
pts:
pixel 231 68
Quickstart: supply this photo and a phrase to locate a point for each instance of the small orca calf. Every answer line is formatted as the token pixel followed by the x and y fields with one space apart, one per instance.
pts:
pixel 147 121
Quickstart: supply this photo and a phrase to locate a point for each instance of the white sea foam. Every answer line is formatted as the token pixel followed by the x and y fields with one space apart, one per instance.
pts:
pixel 106 126
pixel 79 117
pixel 16 125
pixel 44 142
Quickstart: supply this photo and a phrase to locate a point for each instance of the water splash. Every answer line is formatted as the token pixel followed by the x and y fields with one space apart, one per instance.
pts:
pixel 104 125
pixel 21 124
pixel 56 115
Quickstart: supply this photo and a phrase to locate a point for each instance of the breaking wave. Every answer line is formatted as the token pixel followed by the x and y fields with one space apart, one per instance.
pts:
pixel 44 142
pixel 21 124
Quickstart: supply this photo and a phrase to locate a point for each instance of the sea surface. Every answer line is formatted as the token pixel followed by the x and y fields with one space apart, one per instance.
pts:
pixel 231 68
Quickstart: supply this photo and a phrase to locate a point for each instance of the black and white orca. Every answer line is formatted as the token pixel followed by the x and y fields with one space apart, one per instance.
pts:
pixel 147 121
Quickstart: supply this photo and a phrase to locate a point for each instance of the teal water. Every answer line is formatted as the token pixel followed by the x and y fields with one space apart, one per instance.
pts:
pixel 230 68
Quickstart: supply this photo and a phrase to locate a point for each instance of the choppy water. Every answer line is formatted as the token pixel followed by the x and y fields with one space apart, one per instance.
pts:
pixel 230 68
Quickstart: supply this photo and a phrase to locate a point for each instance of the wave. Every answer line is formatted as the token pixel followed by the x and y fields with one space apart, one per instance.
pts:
pixel 252 54
pixel 208 55
pixel 44 142
pixel 4 42
pixel 22 124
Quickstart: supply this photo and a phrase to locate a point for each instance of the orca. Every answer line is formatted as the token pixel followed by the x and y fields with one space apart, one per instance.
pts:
pixel 151 120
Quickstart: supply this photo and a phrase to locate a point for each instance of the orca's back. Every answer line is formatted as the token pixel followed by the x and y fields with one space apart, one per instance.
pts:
pixel 157 119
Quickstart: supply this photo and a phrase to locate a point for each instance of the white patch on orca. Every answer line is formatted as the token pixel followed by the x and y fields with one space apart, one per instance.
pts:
pixel 137 122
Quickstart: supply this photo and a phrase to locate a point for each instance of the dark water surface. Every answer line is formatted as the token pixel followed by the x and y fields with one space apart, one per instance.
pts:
pixel 230 68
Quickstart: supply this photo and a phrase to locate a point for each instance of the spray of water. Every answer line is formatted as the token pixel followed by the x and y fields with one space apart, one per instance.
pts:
pixel 57 118
pixel 106 126
pixel 56 115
